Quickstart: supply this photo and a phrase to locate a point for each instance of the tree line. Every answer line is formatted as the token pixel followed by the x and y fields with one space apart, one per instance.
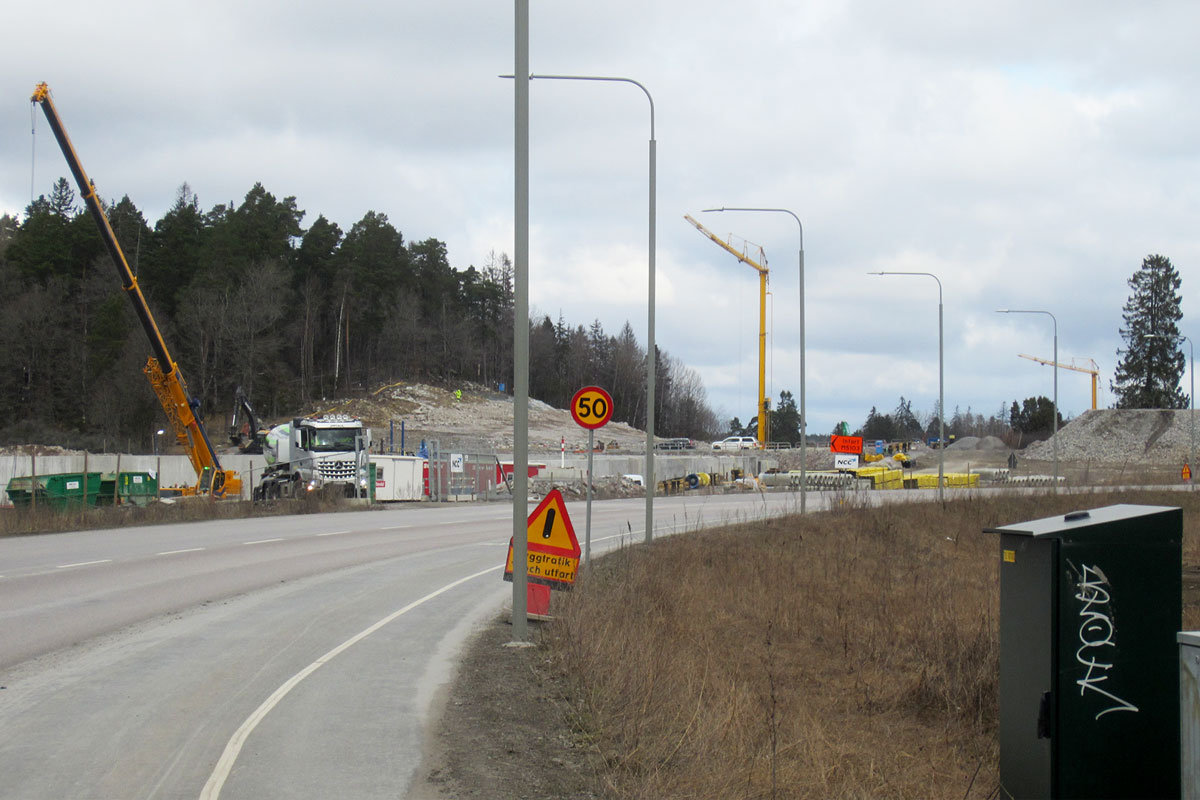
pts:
pixel 246 296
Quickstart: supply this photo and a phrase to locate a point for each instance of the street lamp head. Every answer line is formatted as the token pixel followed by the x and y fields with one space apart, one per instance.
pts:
pixel 1003 311
pixel 710 210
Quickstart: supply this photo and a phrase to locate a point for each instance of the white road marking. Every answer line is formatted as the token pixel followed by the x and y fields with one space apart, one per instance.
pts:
pixel 333 533
pixel 220 773
pixel 84 563
pixel 395 527
pixel 264 541
pixel 173 552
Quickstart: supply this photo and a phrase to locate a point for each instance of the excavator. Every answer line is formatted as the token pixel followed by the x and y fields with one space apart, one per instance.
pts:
pixel 163 373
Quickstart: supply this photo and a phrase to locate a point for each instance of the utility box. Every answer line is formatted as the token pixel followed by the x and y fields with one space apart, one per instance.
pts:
pixel 1189 714
pixel 1090 606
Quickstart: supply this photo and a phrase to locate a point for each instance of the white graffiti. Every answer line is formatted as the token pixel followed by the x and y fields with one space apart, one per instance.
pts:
pixel 1096 631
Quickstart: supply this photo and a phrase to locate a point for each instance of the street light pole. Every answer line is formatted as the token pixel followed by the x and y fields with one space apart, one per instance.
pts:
pixel 941 386
pixel 803 412
pixel 1055 421
pixel 651 358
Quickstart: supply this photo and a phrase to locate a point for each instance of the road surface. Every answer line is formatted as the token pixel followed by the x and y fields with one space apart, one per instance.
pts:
pixel 274 657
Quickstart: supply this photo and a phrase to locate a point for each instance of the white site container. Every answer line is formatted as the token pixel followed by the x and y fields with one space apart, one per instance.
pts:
pixel 399 477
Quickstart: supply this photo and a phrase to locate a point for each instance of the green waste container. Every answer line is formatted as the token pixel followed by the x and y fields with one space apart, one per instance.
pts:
pixel 138 488
pixel 60 491
pixel 1090 606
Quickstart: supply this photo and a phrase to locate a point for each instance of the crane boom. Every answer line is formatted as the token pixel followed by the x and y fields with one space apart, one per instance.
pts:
pixel 1094 371
pixel 161 370
pixel 764 411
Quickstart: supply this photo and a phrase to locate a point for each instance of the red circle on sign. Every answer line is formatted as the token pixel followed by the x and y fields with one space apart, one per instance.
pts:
pixel 591 407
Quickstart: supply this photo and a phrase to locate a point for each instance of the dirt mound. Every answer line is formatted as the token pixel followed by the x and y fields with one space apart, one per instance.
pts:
pixel 473 418
pixel 1118 436
pixel 991 443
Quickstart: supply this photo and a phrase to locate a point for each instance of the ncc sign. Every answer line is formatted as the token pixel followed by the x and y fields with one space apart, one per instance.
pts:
pixel 846 444
pixel 553 549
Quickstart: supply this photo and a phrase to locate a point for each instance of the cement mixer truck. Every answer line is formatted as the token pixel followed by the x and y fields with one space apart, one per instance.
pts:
pixel 309 454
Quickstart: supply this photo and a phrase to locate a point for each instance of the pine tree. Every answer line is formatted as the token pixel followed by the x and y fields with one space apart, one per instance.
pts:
pixel 1152 363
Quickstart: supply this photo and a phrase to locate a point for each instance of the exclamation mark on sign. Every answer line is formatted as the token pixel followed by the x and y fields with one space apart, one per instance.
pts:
pixel 548 528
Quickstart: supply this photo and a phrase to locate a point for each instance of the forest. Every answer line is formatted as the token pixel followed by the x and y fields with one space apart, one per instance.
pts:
pixel 247 296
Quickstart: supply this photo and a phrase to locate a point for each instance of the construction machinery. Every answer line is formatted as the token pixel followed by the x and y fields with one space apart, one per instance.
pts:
pixel 1094 370
pixel 760 266
pixel 163 373
pixel 309 454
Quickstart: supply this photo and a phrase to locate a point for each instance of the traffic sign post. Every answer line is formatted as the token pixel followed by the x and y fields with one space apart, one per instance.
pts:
pixel 592 408
pixel 552 553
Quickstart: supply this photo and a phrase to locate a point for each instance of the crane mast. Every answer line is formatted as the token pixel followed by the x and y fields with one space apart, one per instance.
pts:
pixel 161 370
pixel 764 411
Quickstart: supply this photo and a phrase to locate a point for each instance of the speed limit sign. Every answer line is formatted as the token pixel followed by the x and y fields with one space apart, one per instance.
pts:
pixel 592 407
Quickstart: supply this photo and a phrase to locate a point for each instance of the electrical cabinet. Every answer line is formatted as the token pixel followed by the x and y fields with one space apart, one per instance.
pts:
pixel 1090 606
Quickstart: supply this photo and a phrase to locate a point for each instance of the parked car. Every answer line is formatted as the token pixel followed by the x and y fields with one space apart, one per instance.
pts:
pixel 736 443
pixel 676 444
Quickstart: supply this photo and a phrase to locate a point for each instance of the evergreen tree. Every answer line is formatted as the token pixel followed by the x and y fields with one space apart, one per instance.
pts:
pixel 1152 362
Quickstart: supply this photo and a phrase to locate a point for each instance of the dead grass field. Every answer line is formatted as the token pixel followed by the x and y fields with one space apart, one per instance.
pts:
pixel 851 654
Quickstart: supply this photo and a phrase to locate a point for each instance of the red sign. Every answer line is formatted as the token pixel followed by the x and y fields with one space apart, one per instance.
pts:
pixel 846 444
pixel 592 407
pixel 552 547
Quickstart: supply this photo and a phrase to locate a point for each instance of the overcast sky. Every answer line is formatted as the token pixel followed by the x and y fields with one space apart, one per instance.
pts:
pixel 1029 154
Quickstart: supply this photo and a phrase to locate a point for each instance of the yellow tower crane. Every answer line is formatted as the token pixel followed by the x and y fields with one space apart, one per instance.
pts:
pixel 1094 370
pixel 764 410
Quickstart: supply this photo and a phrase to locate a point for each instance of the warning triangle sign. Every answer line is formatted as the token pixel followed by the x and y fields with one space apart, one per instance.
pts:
pixel 552 548
pixel 550 529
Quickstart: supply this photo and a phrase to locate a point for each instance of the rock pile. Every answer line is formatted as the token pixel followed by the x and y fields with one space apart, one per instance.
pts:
pixel 1117 436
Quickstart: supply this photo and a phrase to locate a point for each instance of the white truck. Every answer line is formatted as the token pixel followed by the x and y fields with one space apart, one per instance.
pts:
pixel 311 454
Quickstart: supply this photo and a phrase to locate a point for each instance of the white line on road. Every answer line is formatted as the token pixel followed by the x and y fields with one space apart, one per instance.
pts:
pixel 264 541
pixel 84 563
pixel 173 552
pixel 212 789
pixel 333 533
pixel 395 527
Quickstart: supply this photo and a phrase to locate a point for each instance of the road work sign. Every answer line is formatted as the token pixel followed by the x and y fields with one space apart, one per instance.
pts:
pixel 845 461
pixel 553 550
pixel 846 444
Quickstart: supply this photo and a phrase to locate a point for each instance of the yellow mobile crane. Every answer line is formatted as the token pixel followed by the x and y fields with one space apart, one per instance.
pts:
pixel 161 369
pixel 1094 371
pixel 764 409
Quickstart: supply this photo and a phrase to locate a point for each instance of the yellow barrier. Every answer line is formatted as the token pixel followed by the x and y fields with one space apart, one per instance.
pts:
pixel 882 477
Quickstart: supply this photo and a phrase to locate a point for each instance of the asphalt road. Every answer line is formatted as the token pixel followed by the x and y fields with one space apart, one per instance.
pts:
pixel 274 657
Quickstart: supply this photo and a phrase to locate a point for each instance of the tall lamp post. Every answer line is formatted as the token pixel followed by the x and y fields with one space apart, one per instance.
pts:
pixel 650 345
pixel 1192 412
pixel 803 412
pixel 941 385
pixel 1055 421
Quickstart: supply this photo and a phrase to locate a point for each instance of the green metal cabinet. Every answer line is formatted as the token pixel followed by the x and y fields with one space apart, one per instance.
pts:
pixel 1090 606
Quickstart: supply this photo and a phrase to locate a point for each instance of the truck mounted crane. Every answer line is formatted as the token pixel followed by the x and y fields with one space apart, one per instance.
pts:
pixel 764 410
pixel 161 370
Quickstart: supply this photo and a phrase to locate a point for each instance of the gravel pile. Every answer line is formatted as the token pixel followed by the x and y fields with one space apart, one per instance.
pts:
pixel 1121 436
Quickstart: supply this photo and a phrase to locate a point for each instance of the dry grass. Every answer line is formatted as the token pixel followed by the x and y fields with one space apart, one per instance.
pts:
pixel 850 654
pixel 27 521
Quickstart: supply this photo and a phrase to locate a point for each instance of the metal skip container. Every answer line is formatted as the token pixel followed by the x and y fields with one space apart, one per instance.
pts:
pixel 1090 607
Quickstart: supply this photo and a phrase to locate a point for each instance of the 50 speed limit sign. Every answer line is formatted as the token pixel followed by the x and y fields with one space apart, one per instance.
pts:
pixel 592 407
